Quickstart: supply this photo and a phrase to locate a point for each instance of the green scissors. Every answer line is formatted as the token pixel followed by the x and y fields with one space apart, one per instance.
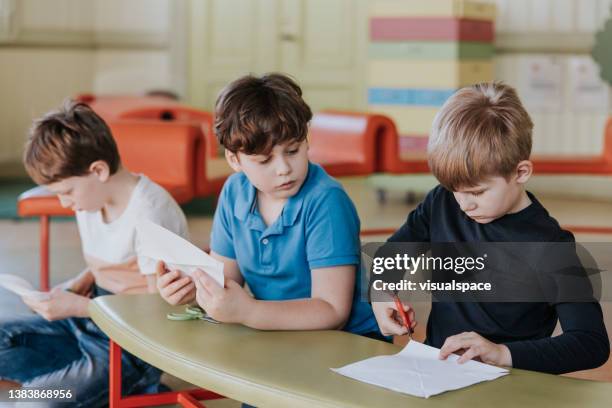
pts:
pixel 192 313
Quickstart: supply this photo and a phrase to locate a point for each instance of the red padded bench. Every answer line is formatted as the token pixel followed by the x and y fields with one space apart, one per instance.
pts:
pixel 396 162
pixel 211 170
pixel 109 107
pixel 345 143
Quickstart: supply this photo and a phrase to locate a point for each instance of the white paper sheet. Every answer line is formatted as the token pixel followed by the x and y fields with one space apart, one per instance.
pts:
pixel 21 287
pixel 157 243
pixel 416 370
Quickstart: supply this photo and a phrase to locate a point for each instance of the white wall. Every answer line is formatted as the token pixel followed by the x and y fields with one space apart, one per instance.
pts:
pixel 53 49
pixel 558 33
pixel 146 23
pixel 115 46
pixel 32 82
pixel 552 16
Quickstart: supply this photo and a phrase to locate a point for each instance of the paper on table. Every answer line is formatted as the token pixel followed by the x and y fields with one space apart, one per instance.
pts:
pixel 21 287
pixel 158 243
pixel 416 370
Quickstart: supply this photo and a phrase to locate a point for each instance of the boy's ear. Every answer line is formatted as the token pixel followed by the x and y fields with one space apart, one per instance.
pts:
pixel 524 170
pixel 100 169
pixel 233 161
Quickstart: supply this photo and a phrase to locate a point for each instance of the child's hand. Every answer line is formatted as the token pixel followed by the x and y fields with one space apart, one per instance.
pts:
pixel 389 321
pixel 230 304
pixel 174 289
pixel 473 346
pixel 83 287
pixel 60 305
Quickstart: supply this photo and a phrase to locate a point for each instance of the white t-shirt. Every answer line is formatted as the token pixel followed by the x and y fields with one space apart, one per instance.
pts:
pixel 111 249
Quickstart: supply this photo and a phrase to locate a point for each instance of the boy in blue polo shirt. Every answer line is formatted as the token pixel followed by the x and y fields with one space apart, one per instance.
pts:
pixel 282 225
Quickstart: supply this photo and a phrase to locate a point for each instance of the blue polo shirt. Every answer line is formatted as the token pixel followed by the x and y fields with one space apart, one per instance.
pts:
pixel 318 228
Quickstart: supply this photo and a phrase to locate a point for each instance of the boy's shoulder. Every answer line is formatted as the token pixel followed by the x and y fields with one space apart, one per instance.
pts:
pixel 148 201
pixel 154 203
pixel 544 226
pixel 236 184
pixel 319 184
pixel 150 196
pixel 437 197
pixel 532 224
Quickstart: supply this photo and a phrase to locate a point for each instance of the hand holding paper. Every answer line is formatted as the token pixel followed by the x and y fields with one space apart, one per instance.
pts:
pixel 174 288
pixel 21 287
pixel 61 304
pixel 159 244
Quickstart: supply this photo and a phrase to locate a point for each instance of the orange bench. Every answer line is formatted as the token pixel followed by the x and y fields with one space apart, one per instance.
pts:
pixel 601 164
pixel 165 152
pixel 345 143
pixel 181 113
pixel 211 170
pixel 109 107
pixel 392 160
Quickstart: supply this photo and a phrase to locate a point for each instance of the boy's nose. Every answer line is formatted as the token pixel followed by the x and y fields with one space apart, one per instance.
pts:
pixel 283 167
pixel 467 206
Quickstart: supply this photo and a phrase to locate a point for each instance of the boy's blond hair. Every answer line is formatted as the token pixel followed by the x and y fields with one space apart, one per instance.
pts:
pixel 481 131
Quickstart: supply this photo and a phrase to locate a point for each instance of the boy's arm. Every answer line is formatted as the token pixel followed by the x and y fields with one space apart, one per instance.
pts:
pixel 80 284
pixel 583 345
pixel 415 234
pixel 328 308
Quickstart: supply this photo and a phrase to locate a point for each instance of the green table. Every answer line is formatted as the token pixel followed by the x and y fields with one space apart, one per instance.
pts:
pixel 291 369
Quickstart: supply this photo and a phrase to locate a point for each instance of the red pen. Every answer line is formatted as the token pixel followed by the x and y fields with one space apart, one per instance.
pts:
pixel 404 315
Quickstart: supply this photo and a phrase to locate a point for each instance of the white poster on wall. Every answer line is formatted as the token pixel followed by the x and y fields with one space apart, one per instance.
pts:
pixel 541 84
pixel 588 93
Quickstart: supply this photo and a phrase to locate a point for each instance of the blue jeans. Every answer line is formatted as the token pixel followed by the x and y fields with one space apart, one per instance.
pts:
pixel 70 353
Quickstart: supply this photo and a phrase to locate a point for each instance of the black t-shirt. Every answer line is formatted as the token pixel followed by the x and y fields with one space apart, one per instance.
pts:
pixel 524 327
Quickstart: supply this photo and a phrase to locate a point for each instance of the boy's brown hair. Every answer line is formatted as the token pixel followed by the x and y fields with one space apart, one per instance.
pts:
pixel 481 131
pixel 253 114
pixel 64 143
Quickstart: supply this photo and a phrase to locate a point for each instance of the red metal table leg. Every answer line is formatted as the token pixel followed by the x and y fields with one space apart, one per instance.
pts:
pixel 115 375
pixel 44 253
pixel 187 398
pixel 188 401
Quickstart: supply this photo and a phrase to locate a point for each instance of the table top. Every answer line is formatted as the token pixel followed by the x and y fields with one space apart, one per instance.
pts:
pixel 282 368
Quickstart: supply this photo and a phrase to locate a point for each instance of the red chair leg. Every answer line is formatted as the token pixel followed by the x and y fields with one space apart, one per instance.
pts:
pixel 186 398
pixel 44 253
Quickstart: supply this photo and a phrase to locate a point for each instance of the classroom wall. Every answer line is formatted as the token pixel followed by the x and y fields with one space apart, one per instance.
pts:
pixel 556 35
pixel 99 46
pixel 113 46
pixel 134 52
pixel 35 80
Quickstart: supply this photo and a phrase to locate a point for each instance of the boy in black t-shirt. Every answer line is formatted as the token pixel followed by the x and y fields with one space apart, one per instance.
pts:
pixel 479 151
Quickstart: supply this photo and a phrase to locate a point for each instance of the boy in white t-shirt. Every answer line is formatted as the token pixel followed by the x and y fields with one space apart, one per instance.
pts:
pixel 71 151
